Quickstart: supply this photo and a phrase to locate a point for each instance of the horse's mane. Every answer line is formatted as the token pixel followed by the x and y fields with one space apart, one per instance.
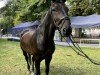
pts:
pixel 45 20
pixel 43 31
pixel 44 23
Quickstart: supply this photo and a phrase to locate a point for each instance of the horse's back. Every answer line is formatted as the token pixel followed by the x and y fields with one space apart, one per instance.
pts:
pixel 27 41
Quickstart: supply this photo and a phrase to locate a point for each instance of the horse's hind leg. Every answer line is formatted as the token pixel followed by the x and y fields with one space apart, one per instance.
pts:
pixel 32 66
pixel 28 59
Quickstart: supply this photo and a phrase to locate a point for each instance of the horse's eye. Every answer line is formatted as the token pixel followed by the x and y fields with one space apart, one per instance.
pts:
pixel 53 10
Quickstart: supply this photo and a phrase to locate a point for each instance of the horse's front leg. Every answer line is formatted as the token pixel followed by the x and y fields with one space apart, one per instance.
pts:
pixel 37 67
pixel 47 63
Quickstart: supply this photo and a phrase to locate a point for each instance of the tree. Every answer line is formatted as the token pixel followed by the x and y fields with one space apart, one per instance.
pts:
pixel 36 10
pixel 96 5
pixel 8 16
pixel 17 11
pixel 84 7
pixel 81 7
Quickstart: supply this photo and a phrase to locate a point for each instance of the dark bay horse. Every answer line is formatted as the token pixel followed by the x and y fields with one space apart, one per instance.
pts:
pixel 39 43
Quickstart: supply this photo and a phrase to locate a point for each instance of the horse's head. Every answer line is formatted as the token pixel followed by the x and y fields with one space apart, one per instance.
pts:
pixel 60 17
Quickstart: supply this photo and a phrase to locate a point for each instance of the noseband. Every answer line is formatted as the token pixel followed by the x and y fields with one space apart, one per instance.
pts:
pixel 62 19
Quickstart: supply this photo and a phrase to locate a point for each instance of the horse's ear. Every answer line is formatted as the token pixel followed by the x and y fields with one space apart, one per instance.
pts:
pixel 58 1
pixel 63 1
pixel 53 1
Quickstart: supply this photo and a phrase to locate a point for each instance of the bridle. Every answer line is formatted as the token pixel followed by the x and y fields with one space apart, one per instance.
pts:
pixel 58 23
pixel 62 19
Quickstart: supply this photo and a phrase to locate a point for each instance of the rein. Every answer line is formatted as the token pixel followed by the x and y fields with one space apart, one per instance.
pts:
pixel 78 50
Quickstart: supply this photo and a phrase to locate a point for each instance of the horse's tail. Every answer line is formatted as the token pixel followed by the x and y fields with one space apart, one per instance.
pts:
pixel 23 32
pixel 30 60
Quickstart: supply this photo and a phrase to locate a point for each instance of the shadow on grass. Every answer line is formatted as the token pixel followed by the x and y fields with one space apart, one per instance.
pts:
pixel 66 71
pixel 61 70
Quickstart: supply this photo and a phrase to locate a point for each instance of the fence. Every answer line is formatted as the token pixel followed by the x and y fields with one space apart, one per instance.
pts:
pixel 90 41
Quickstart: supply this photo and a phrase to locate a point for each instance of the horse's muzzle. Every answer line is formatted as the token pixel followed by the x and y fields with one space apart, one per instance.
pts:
pixel 67 32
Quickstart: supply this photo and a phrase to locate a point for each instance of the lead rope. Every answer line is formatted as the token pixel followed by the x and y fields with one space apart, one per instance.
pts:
pixel 82 53
pixel 78 50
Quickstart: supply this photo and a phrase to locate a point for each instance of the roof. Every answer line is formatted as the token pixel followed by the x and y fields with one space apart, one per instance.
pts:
pixel 76 22
pixel 85 21
pixel 27 24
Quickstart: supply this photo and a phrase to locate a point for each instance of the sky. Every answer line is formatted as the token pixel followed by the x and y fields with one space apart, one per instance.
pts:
pixel 2 3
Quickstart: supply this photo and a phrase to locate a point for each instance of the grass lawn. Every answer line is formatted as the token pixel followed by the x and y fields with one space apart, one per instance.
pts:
pixel 64 62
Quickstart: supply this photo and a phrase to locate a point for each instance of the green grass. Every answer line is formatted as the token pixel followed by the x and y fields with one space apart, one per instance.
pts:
pixel 64 62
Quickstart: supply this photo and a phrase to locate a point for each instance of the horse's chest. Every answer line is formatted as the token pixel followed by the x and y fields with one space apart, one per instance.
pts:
pixel 45 54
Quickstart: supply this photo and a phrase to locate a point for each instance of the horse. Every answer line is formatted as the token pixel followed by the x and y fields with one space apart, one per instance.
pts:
pixel 38 45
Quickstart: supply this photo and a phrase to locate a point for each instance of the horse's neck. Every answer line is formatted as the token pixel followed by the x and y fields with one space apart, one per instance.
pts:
pixel 45 34
pixel 46 27
pixel 51 32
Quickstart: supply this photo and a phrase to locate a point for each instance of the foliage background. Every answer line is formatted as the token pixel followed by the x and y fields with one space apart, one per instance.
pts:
pixel 17 11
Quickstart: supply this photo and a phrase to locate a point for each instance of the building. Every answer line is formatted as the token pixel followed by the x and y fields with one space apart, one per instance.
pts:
pixel 86 26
